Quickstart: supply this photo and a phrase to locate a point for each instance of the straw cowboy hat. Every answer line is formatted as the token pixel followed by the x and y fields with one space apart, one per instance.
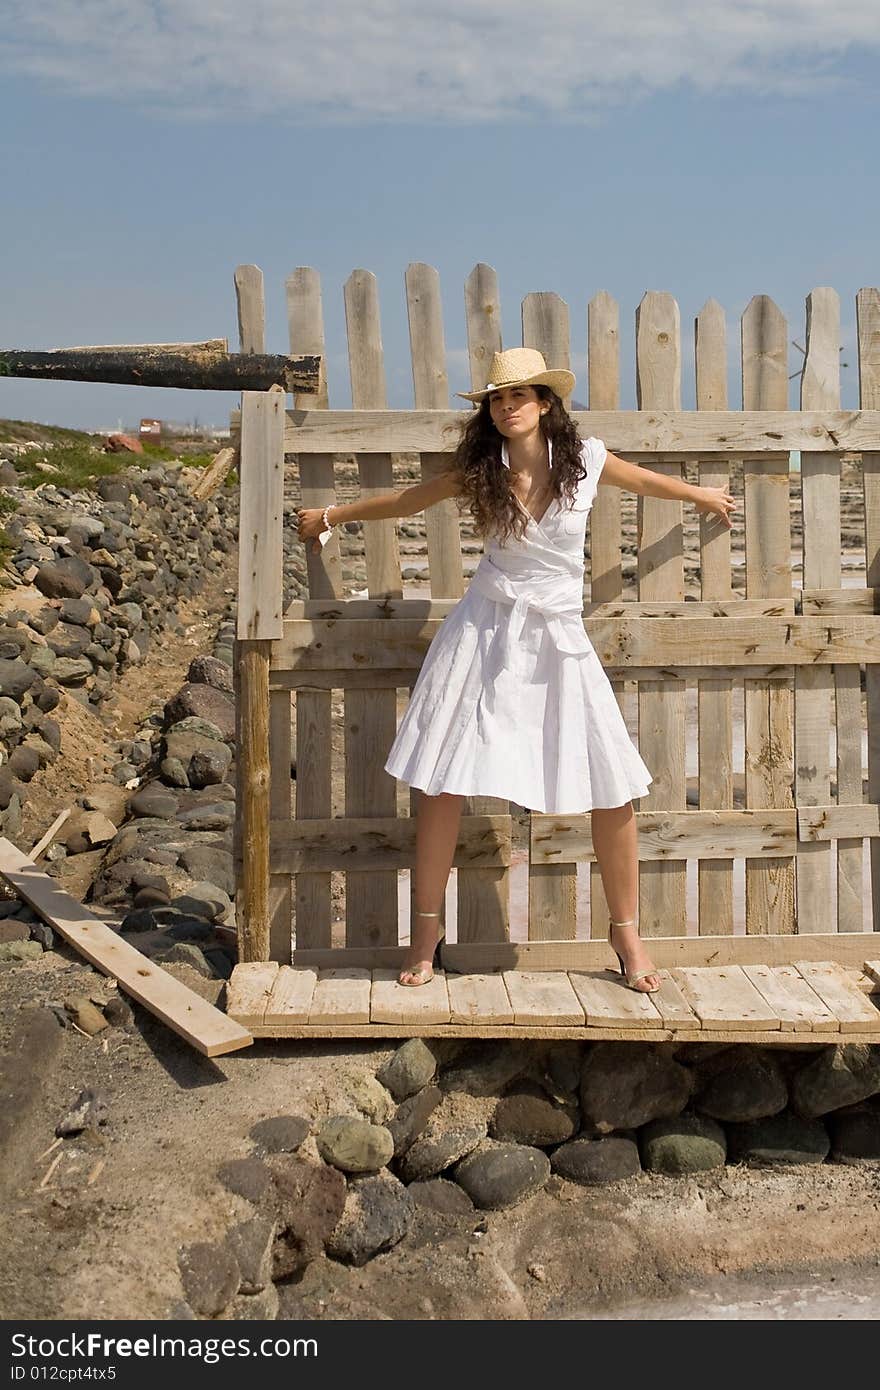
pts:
pixel 522 367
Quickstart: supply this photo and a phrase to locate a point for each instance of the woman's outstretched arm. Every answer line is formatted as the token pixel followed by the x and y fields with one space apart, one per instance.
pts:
pixel 632 478
pixel 408 501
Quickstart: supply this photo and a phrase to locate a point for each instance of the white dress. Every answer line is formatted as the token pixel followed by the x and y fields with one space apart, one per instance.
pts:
pixel 512 700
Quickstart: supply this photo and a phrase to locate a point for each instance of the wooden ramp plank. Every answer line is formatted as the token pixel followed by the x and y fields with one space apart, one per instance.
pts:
pixel 291 997
pixel 391 1002
pixel 799 1007
pixel 852 1008
pixel 248 990
pixel 478 999
pixel 543 998
pixel 341 996
pixel 207 1029
pixel 724 996
pixel 606 1001
pixel 671 1005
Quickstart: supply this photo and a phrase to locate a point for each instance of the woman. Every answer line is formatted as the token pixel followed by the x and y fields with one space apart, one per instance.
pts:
pixel 512 700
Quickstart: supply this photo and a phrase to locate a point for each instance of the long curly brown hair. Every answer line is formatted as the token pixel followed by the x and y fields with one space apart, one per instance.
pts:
pixel 485 482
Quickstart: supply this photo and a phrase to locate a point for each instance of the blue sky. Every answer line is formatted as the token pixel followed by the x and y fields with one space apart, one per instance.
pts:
pixel 712 150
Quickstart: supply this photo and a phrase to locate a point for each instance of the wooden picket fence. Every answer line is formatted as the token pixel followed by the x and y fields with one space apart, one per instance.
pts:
pixel 799 657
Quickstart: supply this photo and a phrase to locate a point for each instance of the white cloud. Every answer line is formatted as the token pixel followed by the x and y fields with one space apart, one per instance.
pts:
pixel 450 62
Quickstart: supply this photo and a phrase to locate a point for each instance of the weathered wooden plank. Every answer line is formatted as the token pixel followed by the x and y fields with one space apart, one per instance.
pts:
pixel 184 1011
pixel 662 705
pixel 714 697
pixel 192 369
pixel 398 643
pixel 769 734
pixel 606 1000
pixel 820 493
pixel 254 809
pixel 391 1002
pixel 671 1005
pixel 478 999
pixel 468 1031
pixel 391 678
pixel 429 607
pixel 260 544
pixel 384 843
pixel 341 995
pixel 837 822
pixel 248 990
pixel 668 952
pixel 723 996
pixel 672 835
pixel 638 434
pixel 290 998
pixel 853 1010
pixel 872 968
pixel 313 909
pixel 798 1007
pixel 280 806
pixel 370 720
pixel 868 334
pixel 542 998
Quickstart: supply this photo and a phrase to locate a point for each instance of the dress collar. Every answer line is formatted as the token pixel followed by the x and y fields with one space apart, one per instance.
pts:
pixel 506 461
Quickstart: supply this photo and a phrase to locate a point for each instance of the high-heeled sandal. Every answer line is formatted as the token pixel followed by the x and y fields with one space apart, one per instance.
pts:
pixel 632 979
pixel 421 976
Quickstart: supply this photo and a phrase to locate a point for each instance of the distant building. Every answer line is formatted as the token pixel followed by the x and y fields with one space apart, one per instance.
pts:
pixel 150 431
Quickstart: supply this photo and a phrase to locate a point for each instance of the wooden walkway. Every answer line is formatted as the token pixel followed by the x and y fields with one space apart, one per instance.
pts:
pixel 805 1001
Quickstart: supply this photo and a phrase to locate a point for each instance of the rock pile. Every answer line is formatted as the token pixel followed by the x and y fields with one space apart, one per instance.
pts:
pixel 450 1130
pixel 101 575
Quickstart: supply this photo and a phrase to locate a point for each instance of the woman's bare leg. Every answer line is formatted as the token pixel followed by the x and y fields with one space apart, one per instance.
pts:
pixel 614 840
pixel 437 824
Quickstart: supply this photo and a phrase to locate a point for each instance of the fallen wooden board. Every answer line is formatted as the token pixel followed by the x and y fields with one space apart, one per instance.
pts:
pixel 193 1018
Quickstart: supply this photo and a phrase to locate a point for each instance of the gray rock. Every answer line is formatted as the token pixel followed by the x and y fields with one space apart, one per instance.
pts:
pixel 90 1110
pixel 203 702
pixel 592 1162
pixel 20 950
pixel 376 1217
pixel 207 670
pixel 79 611
pixel 688 1144
pixel 411 1118
pixel 184 953
pixel 251 1243
pixel 72 670
pixel 750 1087
pixel 68 577
pixel 67 639
pixel 173 772
pixel 209 767
pixel 486 1068
pixel 248 1178
pixel 150 801
pixel 10 716
pixel 310 1200
pixel 529 1118
pixel 182 744
pixel 442 1197
pixel 12 929
pixel 355 1146
pixel 206 863
pixel 24 762
pixel 623 1087
pixel 280 1134
pixel 43 661
pixel 408 1069
pixel 837 1076
pixel 203 900
pixel 434 1152
pixel 503 1175
pixel 16 678
pixel 210 1277
pixel 784 1138
pixel 855 1138
pixel 214 817
pixel 257 1307
pixel 370 1097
